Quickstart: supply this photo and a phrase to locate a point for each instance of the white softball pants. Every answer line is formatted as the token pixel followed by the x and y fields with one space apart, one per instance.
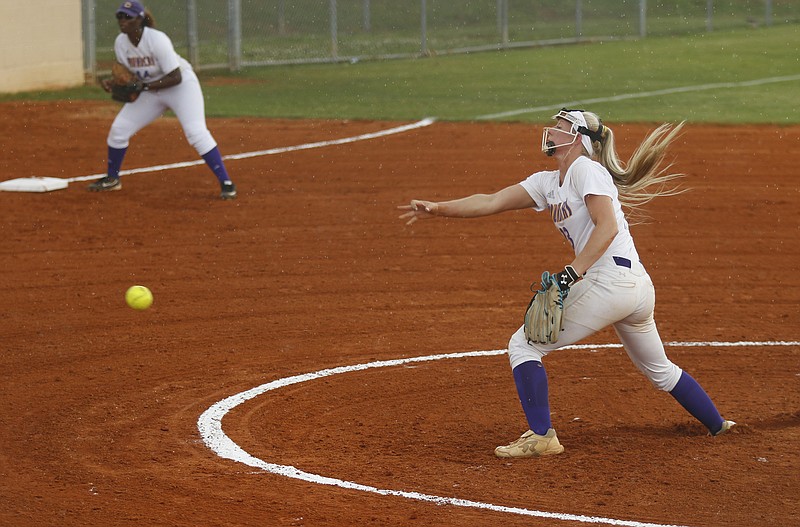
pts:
pixel 610 294
pixel 185 100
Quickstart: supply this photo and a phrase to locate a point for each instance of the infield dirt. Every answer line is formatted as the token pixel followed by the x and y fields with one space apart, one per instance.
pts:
pixel 310 268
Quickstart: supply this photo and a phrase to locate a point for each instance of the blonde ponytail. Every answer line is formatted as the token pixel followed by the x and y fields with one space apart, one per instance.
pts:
pixel 642 179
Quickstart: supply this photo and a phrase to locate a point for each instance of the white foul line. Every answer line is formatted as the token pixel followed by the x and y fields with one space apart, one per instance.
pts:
pixel 210 427
pixel 363 137
pixel 640 95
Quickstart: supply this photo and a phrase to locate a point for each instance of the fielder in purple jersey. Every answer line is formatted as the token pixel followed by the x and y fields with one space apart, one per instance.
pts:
pixel 168 82
pixel 610 286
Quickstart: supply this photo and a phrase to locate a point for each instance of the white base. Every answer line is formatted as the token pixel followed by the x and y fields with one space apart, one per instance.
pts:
pixel 33 184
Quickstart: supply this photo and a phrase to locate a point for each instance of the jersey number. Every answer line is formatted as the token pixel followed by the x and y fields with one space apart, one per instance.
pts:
pixel 565 232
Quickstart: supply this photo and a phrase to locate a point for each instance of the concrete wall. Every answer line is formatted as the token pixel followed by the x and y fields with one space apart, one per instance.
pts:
pixel 42 45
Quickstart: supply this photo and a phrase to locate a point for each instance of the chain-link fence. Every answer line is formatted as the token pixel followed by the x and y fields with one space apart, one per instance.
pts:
pixel 239 33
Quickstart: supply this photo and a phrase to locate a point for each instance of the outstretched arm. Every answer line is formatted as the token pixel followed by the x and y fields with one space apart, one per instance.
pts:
pixel 510 198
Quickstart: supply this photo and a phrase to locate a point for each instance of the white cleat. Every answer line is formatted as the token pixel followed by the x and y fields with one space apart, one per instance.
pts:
pixel 531 445
pixel 726 425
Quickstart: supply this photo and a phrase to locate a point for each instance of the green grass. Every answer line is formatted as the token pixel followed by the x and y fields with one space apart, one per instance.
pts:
pixel 300 29
pixel 463 87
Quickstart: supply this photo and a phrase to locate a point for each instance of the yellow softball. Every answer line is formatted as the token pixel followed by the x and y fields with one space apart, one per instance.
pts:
pixel 139 297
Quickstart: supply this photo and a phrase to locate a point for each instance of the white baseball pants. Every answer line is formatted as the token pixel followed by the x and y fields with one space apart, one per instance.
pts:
pixel 185 100
pixel 610 294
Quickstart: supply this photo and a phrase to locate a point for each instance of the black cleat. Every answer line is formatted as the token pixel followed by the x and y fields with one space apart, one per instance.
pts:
pixel 228 190
pixel 105 184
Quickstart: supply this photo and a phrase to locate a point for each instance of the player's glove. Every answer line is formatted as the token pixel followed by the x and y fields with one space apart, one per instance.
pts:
pixel 125 86
pixel 543 318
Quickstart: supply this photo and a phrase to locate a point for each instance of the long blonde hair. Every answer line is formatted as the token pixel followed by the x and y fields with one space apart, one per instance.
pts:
pixel 642 178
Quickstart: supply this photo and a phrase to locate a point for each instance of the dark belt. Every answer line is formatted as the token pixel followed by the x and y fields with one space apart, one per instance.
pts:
pixel 622 262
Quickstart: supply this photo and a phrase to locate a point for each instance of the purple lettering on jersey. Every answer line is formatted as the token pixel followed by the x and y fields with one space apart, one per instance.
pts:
pixel 141 62
pixel 559 211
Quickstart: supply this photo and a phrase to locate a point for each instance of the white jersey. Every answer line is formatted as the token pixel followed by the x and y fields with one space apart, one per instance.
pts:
pixel 568 209
pixel 153 58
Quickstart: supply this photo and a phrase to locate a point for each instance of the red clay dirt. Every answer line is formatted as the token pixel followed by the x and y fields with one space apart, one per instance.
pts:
pixel 311 268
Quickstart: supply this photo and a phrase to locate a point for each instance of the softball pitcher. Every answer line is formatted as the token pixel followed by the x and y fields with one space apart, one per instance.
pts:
pixel 608 285
pixel 167 82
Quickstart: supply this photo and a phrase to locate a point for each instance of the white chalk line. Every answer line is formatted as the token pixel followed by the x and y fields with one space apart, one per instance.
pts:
pixel 272 151
pixel 210 427
pixel 641 95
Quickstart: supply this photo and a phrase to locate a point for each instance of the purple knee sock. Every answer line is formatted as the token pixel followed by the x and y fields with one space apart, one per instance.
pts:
pixel 697 402
pixel 531 381
pixel 115 157
pixel 214 161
